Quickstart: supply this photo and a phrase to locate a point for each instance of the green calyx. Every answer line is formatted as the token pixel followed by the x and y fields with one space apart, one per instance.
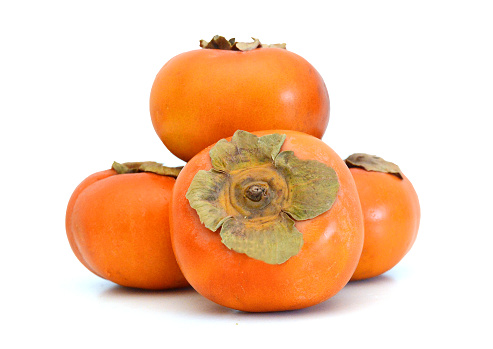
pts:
pixel 221 43
pixel 146 166
pixel 254 193
pixel 373 163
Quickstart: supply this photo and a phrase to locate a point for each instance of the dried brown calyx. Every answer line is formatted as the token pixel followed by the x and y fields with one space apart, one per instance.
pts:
pixel 221 43
pixel 146 166
pixel 254 193
pixel 373 163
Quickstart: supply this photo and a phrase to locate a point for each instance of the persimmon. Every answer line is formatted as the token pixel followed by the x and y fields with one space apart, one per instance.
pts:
pixel 391 213
pixel 268 221
pixel 117 224
pixel 201 96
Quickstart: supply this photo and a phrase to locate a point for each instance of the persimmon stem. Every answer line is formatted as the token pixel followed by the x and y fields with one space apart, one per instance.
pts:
pixel 256 192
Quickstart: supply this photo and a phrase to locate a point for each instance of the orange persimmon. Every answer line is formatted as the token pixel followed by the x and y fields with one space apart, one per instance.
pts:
pixel 117 224
pixel 201 96
pixel 391 213
pixel 268 221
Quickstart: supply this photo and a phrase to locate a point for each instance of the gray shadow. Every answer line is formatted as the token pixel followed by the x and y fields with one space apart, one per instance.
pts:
pixel 360 293
pixel 186 301
pixel 354 296
pixel 182 300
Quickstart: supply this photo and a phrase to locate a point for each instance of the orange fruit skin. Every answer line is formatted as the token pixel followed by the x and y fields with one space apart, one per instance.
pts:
pixel 202 96
pixel 391 216
pixel 328 257
pixel 118 228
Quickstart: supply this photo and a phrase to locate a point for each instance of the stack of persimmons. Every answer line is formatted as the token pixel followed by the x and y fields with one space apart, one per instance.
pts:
pixel 264 216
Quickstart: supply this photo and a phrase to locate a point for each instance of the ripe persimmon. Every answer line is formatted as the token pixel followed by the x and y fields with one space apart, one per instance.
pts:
pixel 391 213
pixel 268 221
pixel 117 224
pixel 201 96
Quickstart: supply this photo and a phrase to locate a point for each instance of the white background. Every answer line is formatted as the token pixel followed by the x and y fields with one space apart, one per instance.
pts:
pixel 411 82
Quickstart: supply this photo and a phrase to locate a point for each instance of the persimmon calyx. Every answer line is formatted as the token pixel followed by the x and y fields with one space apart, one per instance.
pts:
pixel 373 163
pixel 221 43
pixel 254 193
pixel 146 166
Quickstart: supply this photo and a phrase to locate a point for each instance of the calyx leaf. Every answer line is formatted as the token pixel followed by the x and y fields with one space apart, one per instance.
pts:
pixel 206 196
pixel 313 186
pixel 273 242
pixel 245 150
pixel 373 163
pixel 146 166
pixel 221 43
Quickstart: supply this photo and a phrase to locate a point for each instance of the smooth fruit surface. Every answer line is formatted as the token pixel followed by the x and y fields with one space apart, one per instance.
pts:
pixel 118 227
pixel 391 216
pixel 328 257
pixel 202 96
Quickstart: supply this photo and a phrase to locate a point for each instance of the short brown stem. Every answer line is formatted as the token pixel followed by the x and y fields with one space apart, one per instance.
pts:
pixel 256 192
